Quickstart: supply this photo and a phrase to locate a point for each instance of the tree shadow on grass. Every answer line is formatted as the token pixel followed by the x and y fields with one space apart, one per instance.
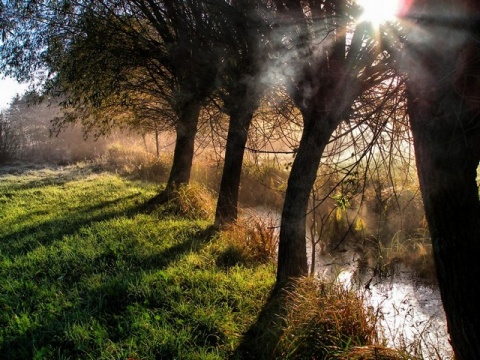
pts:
pixel 45 175
pixel 45 233
pixel 101 308
pixel 260 341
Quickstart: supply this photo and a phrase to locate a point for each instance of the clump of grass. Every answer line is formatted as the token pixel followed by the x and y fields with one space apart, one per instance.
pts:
pixel 262 239
pixel 372 352
pixel 413 253
pixel 324 320
pixel 313 319
pixel 251 240
pixel 193 201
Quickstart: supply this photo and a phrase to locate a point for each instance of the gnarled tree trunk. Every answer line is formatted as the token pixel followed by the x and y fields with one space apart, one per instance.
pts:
pixel 227 205
pixel 292 252
pixel 446 142
pixel 324 89
pixel 447 168
pixel 443 105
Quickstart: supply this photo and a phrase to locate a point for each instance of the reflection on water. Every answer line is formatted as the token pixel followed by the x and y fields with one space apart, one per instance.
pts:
pixel 410 313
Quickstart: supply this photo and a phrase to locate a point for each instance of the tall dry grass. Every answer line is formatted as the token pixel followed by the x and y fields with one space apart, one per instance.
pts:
pixel 251 241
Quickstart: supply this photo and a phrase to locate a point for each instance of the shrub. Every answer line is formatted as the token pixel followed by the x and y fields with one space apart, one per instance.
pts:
pixel 324 320
pixel 251 240
pixel 136 162
pixel 193 201
pixel 270 183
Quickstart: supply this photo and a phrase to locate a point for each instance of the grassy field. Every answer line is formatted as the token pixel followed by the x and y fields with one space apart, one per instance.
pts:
pixel 87 273
pixel 90 270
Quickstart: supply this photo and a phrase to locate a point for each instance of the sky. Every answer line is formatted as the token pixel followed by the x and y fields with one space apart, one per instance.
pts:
pixel 8 89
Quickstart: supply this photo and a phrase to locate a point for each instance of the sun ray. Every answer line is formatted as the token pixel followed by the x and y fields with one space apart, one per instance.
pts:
pixel 378 12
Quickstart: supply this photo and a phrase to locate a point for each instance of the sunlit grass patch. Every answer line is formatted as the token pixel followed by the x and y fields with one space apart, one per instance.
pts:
pixel 47 206
pixel 193 201
pixel 86 273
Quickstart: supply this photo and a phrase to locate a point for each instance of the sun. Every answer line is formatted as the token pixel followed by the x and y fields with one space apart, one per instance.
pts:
pixel 378 12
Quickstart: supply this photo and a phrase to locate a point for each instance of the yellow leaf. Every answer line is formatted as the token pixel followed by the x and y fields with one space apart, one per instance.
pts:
pixel 338 214
pixel 359 224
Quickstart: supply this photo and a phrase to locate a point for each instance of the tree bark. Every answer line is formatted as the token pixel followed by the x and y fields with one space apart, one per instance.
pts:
pixel 184 147
pixel 227 205
pixel 292 252
pixel 442 94
pixel 447 162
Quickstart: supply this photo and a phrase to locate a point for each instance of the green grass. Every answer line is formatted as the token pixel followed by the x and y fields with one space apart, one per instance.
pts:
pixel 87 273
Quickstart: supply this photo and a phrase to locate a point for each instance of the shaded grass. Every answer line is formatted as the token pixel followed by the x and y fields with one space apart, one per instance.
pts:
pixel 86 273
pixel 40 206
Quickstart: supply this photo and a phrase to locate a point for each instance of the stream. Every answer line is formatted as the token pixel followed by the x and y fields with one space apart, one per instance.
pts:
pixel 410 312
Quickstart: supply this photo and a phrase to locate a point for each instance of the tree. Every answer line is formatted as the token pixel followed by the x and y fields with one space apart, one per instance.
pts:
pixel 325 73
pixel 240 92
pixel 112 55
pixel 32 123
pixel 441 65
pixel 367 154
pixel 9 139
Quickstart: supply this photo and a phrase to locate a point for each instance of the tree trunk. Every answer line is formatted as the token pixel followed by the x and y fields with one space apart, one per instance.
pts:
pixel 184 147
pixel 227 205
pixel 442 90
pixel 447 160
pixel 292 252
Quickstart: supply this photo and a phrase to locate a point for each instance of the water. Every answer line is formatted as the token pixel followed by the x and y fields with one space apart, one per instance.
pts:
pixel 410 313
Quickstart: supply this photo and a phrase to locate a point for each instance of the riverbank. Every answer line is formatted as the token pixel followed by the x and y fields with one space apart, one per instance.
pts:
pixel 409 310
